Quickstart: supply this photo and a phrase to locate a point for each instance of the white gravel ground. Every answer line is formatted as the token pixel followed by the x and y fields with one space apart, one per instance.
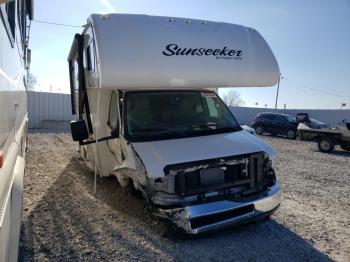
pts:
pixel 64 221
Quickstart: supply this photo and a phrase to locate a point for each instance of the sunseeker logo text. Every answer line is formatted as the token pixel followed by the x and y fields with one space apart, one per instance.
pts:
pixel 218 53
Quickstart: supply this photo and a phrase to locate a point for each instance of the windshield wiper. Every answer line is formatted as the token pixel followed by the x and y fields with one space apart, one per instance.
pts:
pixel 217 125
pixel 151 129
pixel 161 131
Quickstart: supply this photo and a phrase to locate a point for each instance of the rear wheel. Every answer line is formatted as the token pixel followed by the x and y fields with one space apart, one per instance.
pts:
pixel 326 145
pixel 291 134
pixel 345 147
pixel 259 130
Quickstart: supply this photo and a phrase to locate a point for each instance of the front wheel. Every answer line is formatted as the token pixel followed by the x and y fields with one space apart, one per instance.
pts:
pixel 291 134
pixel 326 145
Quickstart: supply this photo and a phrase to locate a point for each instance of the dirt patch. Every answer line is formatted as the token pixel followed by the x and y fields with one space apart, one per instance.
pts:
pixel 63 220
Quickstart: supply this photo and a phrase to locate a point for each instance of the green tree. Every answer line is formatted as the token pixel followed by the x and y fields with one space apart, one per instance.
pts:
pixel 233 98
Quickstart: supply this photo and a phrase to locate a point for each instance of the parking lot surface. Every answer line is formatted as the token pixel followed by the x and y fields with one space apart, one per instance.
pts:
pixel 64 221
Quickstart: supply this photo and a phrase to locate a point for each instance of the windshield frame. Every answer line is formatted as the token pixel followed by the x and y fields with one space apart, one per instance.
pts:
pixel 174 136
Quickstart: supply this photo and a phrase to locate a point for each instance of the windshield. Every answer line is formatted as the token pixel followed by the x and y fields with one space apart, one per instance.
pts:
pixel 156 115
pixel 315 121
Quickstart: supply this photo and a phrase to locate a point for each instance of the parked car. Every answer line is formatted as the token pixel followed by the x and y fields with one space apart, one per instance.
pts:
pixel 275 124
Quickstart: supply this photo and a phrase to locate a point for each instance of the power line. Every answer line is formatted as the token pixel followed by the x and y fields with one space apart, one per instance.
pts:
pixel 313 89
pixel 319 97
pixel 56 24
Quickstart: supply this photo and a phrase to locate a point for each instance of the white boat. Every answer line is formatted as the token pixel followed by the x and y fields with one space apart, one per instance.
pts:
pixel 327 138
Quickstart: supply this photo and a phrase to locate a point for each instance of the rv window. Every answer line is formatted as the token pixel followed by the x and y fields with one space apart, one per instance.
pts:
pixel 90 56
pixel 75 74
pixel 8 15
pixel 113 111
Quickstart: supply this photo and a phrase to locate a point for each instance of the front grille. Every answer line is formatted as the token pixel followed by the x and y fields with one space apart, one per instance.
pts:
pixel 219 217
pixel 246 172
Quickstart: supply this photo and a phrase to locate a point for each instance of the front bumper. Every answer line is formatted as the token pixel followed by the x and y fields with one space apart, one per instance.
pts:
pixel 206 217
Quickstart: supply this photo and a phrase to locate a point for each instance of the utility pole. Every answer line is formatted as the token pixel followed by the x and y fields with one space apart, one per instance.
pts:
pixel 278 89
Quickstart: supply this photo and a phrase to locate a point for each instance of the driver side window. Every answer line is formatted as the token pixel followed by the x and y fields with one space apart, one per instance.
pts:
pixel 113 115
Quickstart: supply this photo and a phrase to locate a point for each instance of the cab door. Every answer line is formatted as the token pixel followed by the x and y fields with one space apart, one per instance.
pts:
pixel 113 126
pixel 281 125
pixel 268 122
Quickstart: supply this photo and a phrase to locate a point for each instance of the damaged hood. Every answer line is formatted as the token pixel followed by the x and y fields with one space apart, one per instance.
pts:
pixel 157 154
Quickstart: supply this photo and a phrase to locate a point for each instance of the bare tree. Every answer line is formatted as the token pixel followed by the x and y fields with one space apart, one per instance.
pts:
pixel 233 98
pixel 32 81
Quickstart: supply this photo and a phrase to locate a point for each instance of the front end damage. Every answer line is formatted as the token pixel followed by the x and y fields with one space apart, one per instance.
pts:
pixel 207 195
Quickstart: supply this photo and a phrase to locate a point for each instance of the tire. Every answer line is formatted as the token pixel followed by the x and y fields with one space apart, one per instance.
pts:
pixel 259 130
pixel 345 147
pixel 291 134
pixel 326 145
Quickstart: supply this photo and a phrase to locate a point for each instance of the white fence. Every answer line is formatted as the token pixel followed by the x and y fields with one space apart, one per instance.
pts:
pixel 245 115
pixel 56 107
pixel 48 106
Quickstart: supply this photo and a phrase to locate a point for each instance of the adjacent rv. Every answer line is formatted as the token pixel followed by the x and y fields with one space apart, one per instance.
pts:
pixel 144 92
pixel 14 65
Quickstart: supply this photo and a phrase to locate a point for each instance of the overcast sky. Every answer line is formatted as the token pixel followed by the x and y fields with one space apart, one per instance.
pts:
pixel 310 39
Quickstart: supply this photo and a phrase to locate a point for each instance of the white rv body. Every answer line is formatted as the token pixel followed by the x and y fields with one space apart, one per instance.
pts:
pixel 14 63
pixel 121 58
pixel 183 53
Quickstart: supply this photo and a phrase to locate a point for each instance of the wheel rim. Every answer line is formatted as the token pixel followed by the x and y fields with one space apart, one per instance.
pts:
pixel 290 134
pixel 259 130
pixel 325 145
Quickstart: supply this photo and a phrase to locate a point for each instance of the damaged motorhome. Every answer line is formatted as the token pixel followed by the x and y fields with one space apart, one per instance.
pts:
pixel 144 90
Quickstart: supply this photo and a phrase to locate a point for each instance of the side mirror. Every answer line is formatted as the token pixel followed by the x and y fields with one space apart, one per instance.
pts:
pixel 79 130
